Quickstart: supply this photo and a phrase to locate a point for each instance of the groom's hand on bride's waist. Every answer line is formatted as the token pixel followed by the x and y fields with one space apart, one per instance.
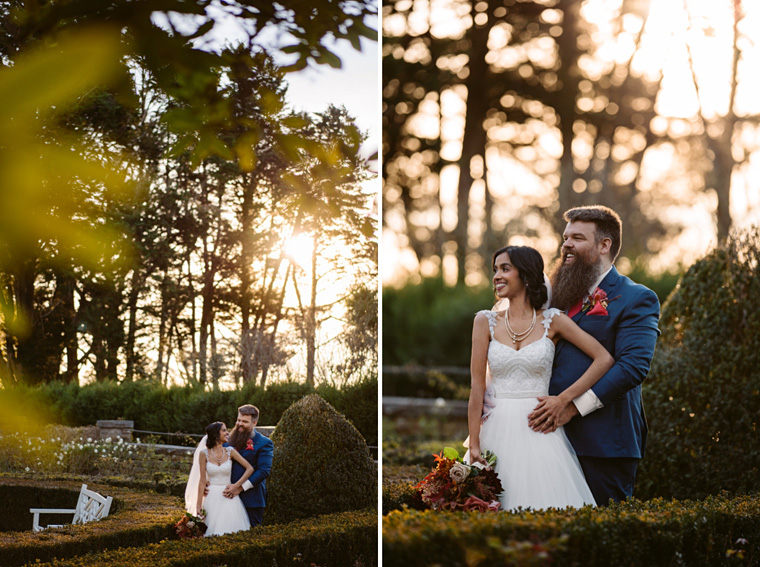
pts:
pixel 231 491
pixel 550 413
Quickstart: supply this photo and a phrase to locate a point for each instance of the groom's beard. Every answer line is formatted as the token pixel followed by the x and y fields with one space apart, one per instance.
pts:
pixel 238 438
pixel 571 282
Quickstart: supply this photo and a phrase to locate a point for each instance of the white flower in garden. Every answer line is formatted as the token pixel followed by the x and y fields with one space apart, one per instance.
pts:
pixel 27 469
pixel 89 439
pixel 108 439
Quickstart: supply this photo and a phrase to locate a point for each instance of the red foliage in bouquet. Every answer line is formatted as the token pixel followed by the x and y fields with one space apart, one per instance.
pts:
pixel 191 526
pixel 455 485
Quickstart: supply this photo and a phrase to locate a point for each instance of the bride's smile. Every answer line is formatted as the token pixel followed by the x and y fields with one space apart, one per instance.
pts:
pixel 506 279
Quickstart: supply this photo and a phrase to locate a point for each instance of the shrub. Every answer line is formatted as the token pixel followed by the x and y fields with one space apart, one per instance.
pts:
pixel 139 532
pixel 358 403
pixel 717 531
pixel 155 407
pixel 420 383
pixel 431 323
pixel 321 463
pixel 703 392
pixel 137 518
pixel 348 539
pixel 398 496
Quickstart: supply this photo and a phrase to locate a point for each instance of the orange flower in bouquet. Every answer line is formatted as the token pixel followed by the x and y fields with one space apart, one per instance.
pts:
pixel 455 485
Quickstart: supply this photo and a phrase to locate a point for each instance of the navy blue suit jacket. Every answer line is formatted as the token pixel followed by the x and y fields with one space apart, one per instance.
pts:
pixel 260 458
pixel 629 332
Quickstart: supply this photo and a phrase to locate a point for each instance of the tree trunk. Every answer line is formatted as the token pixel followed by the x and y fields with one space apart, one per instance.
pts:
pixel 162 331
pixel 23 290
pixel 207 314
pixel 565 106
pixel 215 368
pixel 311 319
pixel 134 294
pixel 474 139
pixel 244 270
pixel 267 362
pixel 67 286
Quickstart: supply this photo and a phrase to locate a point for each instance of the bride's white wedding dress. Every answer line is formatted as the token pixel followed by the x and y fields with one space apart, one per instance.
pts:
pixel 537 470
pixel 223 515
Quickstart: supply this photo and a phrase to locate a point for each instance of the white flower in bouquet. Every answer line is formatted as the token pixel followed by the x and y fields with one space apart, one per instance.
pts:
pixel 459 472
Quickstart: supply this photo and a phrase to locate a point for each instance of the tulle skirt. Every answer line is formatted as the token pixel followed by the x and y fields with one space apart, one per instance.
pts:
pixel 537 470
pixel 224 515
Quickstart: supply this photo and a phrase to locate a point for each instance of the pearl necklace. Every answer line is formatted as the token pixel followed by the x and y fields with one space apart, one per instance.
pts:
pixel 518 337
pixel 216 460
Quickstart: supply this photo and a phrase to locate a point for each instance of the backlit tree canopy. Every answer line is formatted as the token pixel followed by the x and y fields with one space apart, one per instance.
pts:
pixel 153 179
pixel 500 114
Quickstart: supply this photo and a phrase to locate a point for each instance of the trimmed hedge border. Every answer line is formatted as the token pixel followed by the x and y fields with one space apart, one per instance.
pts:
pixel 720 530
pixel 347 539
pixel 139 518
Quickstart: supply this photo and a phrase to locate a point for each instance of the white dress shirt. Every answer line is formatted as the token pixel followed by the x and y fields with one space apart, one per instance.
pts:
pixel 588 400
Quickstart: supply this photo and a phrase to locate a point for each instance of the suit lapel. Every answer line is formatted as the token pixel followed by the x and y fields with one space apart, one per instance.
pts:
pixel 609 282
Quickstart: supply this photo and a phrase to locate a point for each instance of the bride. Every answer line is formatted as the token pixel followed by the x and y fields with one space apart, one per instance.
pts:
pixel 537 470
pixel 212 462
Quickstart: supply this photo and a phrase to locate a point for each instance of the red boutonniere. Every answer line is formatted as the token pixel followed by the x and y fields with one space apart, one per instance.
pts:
pixel 597 303
pixel 249 445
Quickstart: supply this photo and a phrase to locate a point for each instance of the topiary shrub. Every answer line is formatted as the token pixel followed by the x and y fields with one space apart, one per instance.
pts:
pixel 321 464
pixel 358 402
pixel 702 395
pixel 720 530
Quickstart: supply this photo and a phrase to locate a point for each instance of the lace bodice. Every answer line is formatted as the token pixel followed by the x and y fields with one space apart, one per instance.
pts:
pixel 523 373
pixel 219 474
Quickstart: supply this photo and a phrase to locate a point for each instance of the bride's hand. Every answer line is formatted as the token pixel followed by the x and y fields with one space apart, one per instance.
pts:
pixel 476 457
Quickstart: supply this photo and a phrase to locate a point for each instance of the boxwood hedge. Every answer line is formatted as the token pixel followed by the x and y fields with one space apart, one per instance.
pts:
pixel 138 518
pixel 139 531
pixel 702 395
pixel 719 530
pixel 154 407
pixel 347 539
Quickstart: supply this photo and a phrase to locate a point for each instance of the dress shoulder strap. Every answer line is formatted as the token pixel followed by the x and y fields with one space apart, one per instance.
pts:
pixel 549 314
pixel 229 449
pixel 491 316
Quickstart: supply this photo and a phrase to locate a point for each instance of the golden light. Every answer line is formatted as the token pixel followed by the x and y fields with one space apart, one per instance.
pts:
pixel 299 249
pixel 682 41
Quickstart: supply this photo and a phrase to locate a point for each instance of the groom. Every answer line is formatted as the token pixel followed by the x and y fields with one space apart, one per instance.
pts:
pixel 606 426
pixel 258 450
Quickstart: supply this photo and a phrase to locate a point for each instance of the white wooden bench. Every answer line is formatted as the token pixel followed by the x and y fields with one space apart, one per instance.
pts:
pixel 90 506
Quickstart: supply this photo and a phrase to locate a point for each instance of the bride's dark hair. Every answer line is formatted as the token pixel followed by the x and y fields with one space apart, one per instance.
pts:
pixel 530 266
pixel 213 431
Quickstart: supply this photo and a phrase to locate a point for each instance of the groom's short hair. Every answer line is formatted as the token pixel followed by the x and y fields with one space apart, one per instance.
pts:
pixel 248 409
pixel 607 221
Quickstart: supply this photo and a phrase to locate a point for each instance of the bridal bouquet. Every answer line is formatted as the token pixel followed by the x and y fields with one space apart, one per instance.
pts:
pixel 191 526
pixel 455 485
